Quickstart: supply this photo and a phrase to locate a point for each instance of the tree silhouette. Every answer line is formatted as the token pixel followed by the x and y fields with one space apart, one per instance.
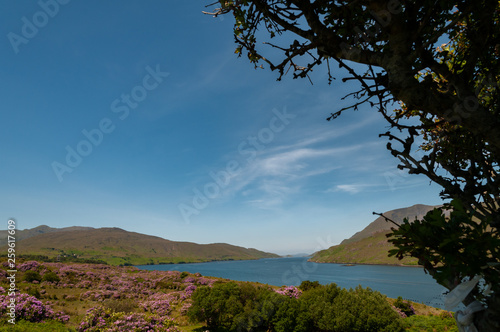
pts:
pixel 431 69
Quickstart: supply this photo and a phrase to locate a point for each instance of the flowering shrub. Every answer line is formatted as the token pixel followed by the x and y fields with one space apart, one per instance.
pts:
pixel 31 265
pixel 189 290
pixel 404 308
pixel 185 307
pixel 205 281
pixel 290 291
pixel 188 280
pixel 84 284
pixel 99 319
pixel 157 304
pixel 158 293
pixel 31 309
pixel 400 313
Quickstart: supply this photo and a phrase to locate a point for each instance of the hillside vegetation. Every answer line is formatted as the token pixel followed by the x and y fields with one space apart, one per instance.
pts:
pixel 119 247
pixel 370 250
pixel 370 245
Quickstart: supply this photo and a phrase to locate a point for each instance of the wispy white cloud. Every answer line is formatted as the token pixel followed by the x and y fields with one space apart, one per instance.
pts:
pixel 348 188
pixel 291 162
pixel 277 174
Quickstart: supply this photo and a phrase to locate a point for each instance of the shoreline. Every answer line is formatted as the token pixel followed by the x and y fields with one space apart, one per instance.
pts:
pixel 354 263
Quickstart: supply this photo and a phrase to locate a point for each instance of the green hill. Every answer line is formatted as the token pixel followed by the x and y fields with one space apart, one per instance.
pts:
pixel 370 250
pixel 370 246
pixel 117 246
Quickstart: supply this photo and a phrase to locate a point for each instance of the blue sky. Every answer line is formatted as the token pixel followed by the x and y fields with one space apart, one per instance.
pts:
pixel 139 115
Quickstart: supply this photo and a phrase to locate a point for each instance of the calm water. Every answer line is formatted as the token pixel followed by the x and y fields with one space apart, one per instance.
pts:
pixel 408 282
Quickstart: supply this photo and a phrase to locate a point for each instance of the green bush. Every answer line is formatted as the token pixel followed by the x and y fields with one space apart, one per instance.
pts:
pixel 291 316
pixel 319 303
pixel 364 310
pixel 217 305
pixel 33 291
pixel 30 276
pixel 322 308
pixel 51 277
pixel 307 285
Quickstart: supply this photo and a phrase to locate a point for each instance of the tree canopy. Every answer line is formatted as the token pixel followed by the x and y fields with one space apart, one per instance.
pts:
pixel 431 69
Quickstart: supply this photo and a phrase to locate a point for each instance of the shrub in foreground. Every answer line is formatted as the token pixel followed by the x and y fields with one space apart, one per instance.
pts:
pixel 360 309
pixel 30 309
pixel 100 319
pixel 321 308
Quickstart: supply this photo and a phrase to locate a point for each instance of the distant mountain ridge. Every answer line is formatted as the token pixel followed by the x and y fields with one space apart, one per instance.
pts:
pixel 370 245
pixel 117 246
pixel 42 229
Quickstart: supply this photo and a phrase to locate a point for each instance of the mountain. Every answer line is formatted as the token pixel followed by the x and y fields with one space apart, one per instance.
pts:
pixel 370 246
pixel 30 232
pixel 117 246
pixel 379 224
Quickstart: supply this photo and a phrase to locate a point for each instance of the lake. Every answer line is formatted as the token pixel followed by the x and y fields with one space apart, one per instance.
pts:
pixel 411 283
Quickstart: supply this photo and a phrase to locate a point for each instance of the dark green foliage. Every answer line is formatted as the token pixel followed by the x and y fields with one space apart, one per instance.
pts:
pixel 246 307
pixel 217 306
pixel 450 247
pixel 291 316
pixel 30 276
pixel 335 309
pixel 51 277
pixel 307 285
pixel 319 303
pixel 33 292
pixel 364 310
